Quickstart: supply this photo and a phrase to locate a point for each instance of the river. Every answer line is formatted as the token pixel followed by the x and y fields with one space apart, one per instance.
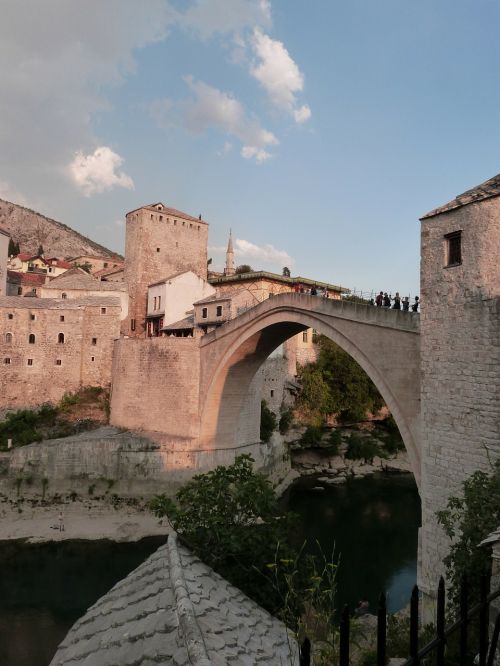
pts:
pixel 372 522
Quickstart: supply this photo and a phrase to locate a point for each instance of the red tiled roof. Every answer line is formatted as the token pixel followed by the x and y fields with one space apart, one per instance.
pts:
pixel 17 277
pixel 59 263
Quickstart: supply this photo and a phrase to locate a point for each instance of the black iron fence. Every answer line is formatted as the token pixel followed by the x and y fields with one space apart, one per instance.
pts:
pixel 474 619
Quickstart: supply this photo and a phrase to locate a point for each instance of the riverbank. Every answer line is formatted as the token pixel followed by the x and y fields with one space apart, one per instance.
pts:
pixel 88 519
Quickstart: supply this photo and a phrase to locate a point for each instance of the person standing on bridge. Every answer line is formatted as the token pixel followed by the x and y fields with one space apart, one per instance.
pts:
pixel 406 304
pixel 387 300
pixel 379 299
pixel 415 305
pixel 397 302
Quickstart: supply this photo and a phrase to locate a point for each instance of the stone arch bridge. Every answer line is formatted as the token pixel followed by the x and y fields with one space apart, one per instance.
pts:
pixel 385 343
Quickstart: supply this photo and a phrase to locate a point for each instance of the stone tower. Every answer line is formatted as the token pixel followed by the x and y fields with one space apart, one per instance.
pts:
pixel 230 269
pixel 460 360
pixel 160 242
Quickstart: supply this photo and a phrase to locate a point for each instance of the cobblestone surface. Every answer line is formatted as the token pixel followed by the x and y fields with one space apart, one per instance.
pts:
pixel 173 609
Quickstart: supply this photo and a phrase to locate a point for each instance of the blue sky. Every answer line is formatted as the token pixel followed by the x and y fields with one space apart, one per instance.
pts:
pixel 318 131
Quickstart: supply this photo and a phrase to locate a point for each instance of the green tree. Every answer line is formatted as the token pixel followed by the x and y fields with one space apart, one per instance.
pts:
pixel 229 517
pixel 468 519
pixel 40 251
pixel 13 248
pixel 268 422
pixel 336 384
pixel 244 268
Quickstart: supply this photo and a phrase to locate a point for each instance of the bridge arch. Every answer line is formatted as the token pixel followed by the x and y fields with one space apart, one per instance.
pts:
pixel 385 344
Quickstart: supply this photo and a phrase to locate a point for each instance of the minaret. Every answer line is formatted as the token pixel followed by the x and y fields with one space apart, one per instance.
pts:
pixel 229 269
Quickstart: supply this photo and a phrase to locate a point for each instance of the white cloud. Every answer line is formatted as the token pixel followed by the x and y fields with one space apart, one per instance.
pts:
pixel 212 108
pixel 278 74
pixel 208 17
pixel 98 171
pixel 266 254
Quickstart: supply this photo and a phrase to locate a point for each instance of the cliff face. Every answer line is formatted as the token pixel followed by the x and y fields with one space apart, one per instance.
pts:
pixel 31 229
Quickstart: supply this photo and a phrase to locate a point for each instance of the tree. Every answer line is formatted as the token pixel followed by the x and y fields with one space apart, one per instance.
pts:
pixel 40 251
pixel 268 422
pixel 87 267
pixel 468 519
pixel 229 517
pixel 13 248
pixel 244 268
pixel 286 271
pixel 336 384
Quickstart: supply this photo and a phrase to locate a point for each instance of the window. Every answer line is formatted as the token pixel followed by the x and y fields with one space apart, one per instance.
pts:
pixel 63 295
pixel 10 316
pixel 219 310
pixel 190 226
pixel 272 393
pixel 60 338
pixel 94 341
pixel 103 310
pixel 154 303
pixel 30 361
pixel 8 338
pixel 175 223
pixel 19 291
pixel 92 358
pixel 105 264
pixel 157 249
pixel 31 339
pixel 58 361
pixel 61 318
pixel 183 223
pixel 159 302
pixel 204 313
pixel 132 326
pixel 34 290
pixel 32 317
pixel 304 336
pixel 161 218
pixel 453 248
pixel 6 361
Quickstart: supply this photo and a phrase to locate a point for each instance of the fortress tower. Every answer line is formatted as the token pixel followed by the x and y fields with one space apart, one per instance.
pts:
pixel 460 344
pixel 160 242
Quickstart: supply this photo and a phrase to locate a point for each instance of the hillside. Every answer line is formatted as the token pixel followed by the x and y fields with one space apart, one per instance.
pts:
pixel 31 229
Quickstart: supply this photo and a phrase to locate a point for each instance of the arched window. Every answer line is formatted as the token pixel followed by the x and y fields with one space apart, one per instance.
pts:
pixel 60 338
pixel 63 295
pixel 31 339
pixel 8 338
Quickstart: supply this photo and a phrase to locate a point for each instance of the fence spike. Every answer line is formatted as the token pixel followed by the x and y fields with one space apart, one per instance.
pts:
pixel 494 642
pixel 483 620
pixel 440 623
pixel 344 637
pixel 464 608
pixel 381 630
pixel 414 626
pixel 305 653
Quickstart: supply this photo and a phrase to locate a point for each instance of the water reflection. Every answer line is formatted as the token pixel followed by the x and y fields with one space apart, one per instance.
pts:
pixel 373 524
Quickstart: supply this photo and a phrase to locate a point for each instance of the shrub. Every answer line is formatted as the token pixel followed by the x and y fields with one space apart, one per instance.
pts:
pixel 334 441
pixel 362 448
pixel 312 436
pixel 285 422
pixel 268 422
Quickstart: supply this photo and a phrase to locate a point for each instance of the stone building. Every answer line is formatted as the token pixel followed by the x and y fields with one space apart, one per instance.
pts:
pixel 25 284
pixel 97 264
pixel 160 241
pixel 50 346
pixel 4 253
pixel 77 283
pixel 460 355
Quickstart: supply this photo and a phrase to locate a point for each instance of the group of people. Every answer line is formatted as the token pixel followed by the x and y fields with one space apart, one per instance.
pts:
pixel 385 300
pixel 313 291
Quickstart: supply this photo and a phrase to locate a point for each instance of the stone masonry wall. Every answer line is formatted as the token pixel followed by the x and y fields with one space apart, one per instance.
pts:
pixel 460 345
pixel 32 373
pixel 4 253
pixel 159 245
pixel 156 385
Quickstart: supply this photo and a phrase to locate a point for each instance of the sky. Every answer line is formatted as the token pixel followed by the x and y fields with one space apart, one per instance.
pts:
pixel 319 131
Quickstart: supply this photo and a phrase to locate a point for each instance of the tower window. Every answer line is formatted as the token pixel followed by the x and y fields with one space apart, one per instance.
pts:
pixel 92 358
pixel 453 248
pixel 103 310
pixel 63 295
pixel 204 313
pixel 61 317
pixel 58 361
pixel 8 338
pixel 157 249
pixel 60 338
pixel 6 361
pixel 272 393
pixel 30 361
pixel 31 339
pixel 10 316
pixel 94 341
pixel 219 310
pixel 132 325
pixel 32 317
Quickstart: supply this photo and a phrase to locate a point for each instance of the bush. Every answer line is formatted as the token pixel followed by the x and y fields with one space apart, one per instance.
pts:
pixel 285 422
pixel 229 517
pixel 362 448
pixel 334 441
pixel 268 422
pixel 312 436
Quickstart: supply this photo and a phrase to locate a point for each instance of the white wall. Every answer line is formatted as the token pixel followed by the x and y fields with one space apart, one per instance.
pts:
pixel 178 296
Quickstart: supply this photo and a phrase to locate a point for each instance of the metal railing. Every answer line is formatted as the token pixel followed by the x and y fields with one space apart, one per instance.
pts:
pixel 486 648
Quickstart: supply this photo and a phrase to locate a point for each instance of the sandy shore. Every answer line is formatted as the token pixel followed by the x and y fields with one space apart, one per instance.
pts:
pixel 82 519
